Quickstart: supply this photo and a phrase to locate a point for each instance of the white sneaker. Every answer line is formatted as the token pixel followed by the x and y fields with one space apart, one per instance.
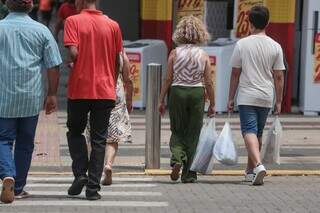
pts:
pixel 259 173
pixel 248 177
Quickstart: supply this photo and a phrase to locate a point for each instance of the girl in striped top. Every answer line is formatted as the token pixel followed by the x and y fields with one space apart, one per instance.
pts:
pixel 189 76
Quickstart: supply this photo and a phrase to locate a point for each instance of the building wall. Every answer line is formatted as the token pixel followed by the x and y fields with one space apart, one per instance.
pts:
pixel 126 13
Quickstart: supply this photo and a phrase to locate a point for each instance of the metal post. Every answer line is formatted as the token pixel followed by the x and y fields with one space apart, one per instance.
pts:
pixel 153 120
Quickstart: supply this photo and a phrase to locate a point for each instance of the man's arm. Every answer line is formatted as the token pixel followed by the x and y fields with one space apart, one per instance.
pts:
pixel 53 84
pixel 73 53
pixel 118 58
pixel 278 83
pixel 71 39
pixel 234 83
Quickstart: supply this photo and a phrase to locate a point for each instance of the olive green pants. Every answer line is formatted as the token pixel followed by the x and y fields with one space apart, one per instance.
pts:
pixel 186 106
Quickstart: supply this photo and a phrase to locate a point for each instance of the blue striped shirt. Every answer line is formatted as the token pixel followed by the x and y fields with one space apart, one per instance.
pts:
pixel 26 47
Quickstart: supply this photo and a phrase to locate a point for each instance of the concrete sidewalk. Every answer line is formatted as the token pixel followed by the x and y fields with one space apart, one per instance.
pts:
pixel 300 148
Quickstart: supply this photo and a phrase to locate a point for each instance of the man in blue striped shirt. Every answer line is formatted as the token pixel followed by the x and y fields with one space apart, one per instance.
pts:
pixel 26 47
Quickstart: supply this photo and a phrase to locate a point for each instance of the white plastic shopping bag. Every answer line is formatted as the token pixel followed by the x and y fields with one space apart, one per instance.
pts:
pixel 225 150
pixel 270 152
pixel 203 159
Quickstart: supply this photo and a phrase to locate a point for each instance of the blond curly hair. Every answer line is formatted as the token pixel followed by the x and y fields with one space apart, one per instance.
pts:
pixel 191 30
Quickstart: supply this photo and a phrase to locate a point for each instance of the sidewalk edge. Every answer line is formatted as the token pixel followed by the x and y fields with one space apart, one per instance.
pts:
pixel 165 172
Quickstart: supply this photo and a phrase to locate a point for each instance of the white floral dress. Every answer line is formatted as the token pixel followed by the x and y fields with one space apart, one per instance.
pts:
pixel 119 129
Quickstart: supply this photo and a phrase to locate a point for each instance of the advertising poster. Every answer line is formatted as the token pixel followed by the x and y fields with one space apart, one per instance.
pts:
pixel 190 7
pixel 316 76
pixel 244 6
pixel 135 69
pixel 281 11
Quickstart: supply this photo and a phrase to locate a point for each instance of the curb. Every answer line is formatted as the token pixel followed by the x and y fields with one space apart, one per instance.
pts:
pixel 166 172
pixel 159 172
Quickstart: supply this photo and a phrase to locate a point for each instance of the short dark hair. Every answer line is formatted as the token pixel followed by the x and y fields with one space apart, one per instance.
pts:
pixel 13 6
pixel 259 17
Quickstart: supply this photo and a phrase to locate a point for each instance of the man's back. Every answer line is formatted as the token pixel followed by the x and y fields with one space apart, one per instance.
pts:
pixel 257 55
pixel 24 41
pixel 27 46
pixel 98 40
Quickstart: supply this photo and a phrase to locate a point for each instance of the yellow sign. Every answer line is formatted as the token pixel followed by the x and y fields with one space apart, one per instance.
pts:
pixel 190 7
pixel 135 69
pixel 316 76
pixel 281 11
pixel 243 26
pixel 156 10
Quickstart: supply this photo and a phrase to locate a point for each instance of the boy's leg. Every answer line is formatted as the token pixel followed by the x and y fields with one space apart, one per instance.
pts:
pixel 249 128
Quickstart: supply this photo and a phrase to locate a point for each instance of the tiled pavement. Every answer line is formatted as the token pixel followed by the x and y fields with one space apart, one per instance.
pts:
pixel 300 146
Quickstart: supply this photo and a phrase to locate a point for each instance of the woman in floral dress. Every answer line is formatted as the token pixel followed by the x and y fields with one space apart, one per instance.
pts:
pixel 119 129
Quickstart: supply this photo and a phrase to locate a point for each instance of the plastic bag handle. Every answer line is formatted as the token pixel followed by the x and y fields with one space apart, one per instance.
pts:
pixel 212 116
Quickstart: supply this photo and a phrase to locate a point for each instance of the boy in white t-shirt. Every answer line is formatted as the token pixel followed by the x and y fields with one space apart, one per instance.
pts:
pixel 257 72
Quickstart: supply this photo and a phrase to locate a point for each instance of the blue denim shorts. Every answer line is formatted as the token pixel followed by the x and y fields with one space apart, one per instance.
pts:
pixel 253 119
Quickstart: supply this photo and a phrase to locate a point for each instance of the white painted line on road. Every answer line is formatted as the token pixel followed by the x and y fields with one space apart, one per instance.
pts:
pixel 60 185
pixel 69 178
pixel 124 147
pixel 86 203
pixel 103 193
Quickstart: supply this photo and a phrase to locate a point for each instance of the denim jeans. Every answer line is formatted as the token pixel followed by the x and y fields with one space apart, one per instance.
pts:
pixel 17 164
pixel 253 119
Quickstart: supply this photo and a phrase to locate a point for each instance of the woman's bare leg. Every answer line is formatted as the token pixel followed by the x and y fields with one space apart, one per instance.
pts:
pixel 112 149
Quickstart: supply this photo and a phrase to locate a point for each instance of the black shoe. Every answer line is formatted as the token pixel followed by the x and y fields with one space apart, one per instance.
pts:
pixel 92 195
pixel 77 185
pixel 192 180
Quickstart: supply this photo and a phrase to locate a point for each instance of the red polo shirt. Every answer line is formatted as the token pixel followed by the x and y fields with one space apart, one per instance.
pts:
pixel 99 40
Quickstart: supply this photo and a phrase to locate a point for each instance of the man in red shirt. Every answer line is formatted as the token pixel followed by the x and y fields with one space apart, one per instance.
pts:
pixel 67 9
pixel 45 8
pixel 94 42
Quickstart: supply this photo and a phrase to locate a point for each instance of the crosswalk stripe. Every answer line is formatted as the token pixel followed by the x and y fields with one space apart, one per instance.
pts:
pixel 89 203
pixel 60 185
pixel 103 193
pixel 57 179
